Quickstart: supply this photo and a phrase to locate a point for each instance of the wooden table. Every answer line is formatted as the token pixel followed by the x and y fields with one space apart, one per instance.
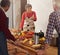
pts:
pixel 24 50
pixel 52 51
pixel 20 49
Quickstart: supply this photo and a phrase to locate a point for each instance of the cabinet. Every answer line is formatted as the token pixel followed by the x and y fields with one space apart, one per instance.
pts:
pixel 23 3
pixel 18 9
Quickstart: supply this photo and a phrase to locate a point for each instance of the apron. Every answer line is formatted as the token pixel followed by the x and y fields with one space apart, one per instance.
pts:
pixel 29 25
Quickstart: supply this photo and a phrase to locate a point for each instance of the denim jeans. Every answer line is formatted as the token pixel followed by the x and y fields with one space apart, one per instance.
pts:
pixel 3 44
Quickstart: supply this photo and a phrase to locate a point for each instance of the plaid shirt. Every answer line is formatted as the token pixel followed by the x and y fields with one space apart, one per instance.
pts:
pixel 54 23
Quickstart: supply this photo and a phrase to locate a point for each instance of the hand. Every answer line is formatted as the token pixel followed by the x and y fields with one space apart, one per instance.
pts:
pixel 19 29
pixel 17 41
pixel 47 46
pixel 32 17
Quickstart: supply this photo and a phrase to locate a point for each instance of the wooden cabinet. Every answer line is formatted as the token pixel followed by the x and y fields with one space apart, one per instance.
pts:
pixel 23 3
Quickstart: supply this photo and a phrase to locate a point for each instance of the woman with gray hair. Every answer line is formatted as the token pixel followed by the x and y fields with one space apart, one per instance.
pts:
pixel 28 19
pixel 54 23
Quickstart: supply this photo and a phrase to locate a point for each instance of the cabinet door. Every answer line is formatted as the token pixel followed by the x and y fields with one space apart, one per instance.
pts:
pixel 23 3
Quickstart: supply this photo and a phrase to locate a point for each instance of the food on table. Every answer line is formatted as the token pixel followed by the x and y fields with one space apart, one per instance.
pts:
pixel 26 34
pixel 23 34
pixel 36 46
pixel 24 41
pixel 30 42
pixel 42 39
pixel 26 38
pixel 30 33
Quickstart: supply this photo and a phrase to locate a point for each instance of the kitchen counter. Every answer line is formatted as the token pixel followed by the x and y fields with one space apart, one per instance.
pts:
pixel 14 50
pixel 51 51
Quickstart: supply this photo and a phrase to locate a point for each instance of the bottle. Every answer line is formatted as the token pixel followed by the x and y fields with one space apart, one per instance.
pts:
pixel 36 39
pixel 41 34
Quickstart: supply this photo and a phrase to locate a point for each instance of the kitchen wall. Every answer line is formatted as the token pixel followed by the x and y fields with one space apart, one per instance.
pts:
pixel 16 13
pixel 9 14
pixel 43 8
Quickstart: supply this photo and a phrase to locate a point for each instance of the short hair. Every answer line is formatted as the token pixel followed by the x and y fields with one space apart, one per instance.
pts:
pixel 5 3
pixel 57 3
pixel 28 5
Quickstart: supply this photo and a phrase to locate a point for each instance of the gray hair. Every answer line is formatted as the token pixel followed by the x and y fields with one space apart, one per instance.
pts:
pixel 28 5
pixel 5 3
pixel 57 3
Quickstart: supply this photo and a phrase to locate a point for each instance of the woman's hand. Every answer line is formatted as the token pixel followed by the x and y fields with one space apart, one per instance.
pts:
pixel 32 17
pixel 19 29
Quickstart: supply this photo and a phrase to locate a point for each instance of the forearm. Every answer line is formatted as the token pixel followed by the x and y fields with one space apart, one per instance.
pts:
pixel 49 33
pixel 35 19
pixel 50 27
pixel 8 34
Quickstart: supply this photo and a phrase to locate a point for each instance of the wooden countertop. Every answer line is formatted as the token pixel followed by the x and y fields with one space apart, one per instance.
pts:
pixel 49 51
pixel 52 51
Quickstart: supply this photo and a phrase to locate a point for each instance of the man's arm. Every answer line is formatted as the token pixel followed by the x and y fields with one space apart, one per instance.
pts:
pixel 50 27
pixel 4 28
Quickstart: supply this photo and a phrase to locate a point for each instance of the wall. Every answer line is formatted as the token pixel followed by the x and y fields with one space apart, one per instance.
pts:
pixel 16 13
pixel 9 14
pixel 43 8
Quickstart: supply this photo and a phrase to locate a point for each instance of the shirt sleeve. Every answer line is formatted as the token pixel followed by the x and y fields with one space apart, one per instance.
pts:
pixel 22 20
pixel 4 28
pixel 50 28
pixel 35 17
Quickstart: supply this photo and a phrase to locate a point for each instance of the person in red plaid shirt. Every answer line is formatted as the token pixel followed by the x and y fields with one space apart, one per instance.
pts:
pixel 54 23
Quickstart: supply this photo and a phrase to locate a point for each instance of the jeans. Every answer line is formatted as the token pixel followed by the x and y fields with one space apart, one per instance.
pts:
pixel 3 44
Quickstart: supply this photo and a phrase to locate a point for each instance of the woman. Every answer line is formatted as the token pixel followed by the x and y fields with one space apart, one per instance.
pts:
pixel 28 18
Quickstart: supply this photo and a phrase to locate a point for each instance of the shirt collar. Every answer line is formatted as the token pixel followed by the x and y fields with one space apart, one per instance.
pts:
pixel 2 9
